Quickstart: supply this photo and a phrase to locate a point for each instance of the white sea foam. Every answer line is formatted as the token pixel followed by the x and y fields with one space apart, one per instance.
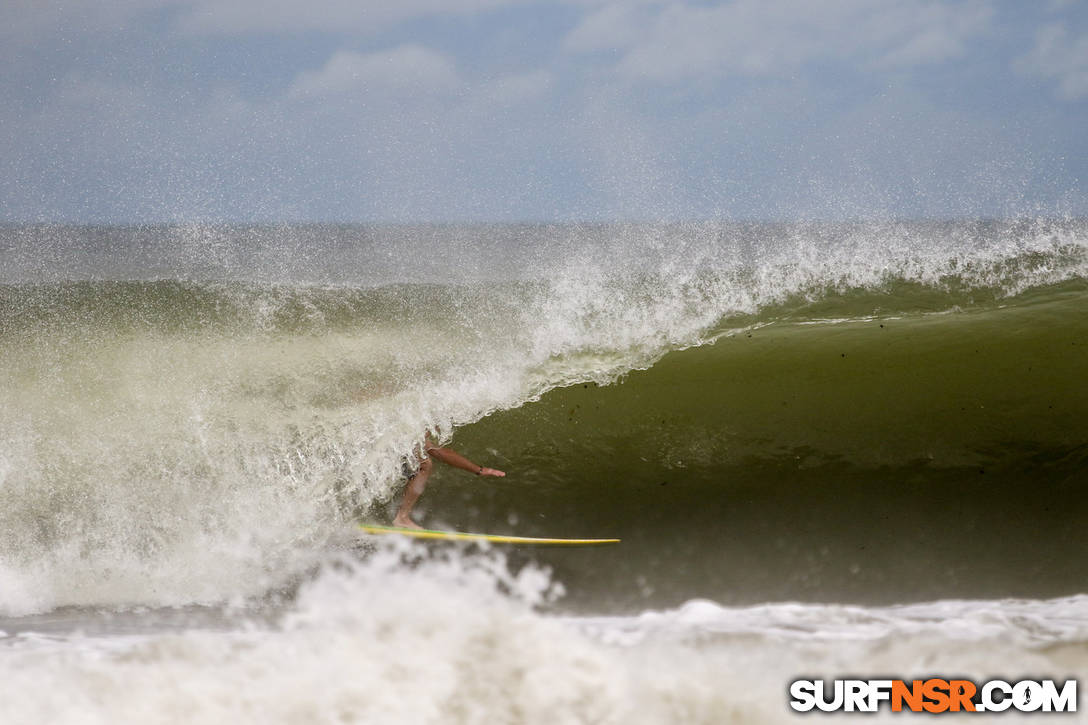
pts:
pixel 458 639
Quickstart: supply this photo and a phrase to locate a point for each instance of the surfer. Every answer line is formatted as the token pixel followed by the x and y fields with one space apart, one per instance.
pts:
pixel 417 477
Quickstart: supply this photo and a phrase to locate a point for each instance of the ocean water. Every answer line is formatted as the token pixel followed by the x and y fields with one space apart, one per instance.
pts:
pixel 829 449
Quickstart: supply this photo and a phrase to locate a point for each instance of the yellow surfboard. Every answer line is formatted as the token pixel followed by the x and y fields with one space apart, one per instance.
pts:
pixel 493 538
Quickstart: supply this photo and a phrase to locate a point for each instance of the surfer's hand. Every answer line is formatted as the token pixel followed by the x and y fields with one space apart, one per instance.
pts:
pixel 491 472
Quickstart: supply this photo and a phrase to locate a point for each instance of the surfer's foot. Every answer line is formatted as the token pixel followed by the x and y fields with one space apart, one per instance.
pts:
pixel 406 523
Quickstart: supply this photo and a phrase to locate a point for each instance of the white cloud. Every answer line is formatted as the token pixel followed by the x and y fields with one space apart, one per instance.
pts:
pixel 1060 56
pixel 255 16
pixel 26 21
pixel 410 68
pixel 679 39
pixel 618 25
pixel 932 32
pixel 932 45
pixel 518 88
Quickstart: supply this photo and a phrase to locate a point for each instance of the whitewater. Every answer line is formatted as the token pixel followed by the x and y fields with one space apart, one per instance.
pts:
pixel 829 449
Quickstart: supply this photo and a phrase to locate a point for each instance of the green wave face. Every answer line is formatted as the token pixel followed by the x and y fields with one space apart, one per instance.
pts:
pixel 892 458
pixel 950 389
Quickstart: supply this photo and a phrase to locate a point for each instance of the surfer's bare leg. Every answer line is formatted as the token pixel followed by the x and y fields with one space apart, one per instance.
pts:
pixel 452 458
pixel 412 491
pixel 415 486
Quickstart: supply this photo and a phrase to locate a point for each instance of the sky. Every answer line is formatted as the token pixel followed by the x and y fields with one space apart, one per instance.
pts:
pixel 138 111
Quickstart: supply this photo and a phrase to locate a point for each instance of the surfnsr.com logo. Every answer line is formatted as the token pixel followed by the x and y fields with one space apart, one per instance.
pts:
pixel 933 695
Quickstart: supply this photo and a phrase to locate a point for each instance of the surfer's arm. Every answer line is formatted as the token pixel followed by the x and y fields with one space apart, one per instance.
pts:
pixel 452 458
